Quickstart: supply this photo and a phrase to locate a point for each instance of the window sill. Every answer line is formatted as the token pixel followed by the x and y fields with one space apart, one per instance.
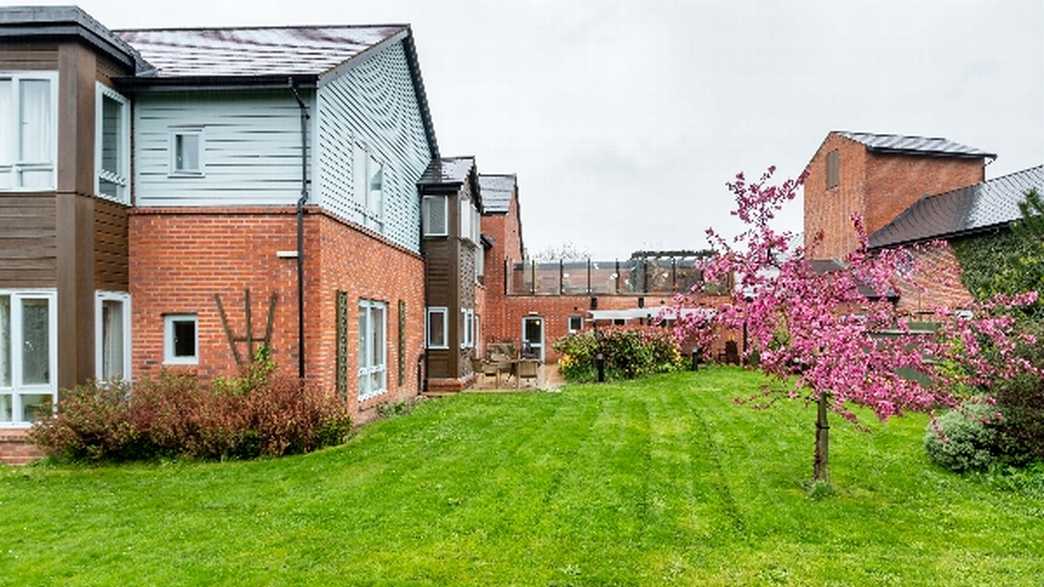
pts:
pixel 186 174
pixel 177 363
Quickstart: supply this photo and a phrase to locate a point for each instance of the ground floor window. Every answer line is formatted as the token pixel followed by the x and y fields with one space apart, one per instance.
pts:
pixel 112 339
pixel 28 355
pixel 373 353
pixel 181 339
pixel 467 328
pixel 437 328
pixel 576 324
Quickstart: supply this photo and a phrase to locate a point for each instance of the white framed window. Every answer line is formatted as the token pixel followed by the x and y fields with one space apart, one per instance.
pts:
pixel 112 336
pixel 576 324
pixel 28 130
pixel 111 144
pixel 467 221
pixel 476 337
pixel 187 149
pixel 476 226
pixel 28 355
pixel 181 339
pixel 368 177
pixel 435 215
pixel 480 262
pixel 373 348
pixel 467 326
pixel 437 329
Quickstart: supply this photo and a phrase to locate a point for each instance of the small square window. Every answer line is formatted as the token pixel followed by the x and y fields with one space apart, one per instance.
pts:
pixel 187 152
pixel 576 324
pixel 181 339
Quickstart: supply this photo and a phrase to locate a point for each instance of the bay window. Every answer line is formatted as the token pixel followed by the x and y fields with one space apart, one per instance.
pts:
pixel 372 348
pixel 28 356
pixel 28 130
pixel 112 337
pixel 111 145
pixel 435 215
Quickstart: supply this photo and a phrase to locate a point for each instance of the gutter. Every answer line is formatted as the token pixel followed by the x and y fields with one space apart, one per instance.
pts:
pixel 300 229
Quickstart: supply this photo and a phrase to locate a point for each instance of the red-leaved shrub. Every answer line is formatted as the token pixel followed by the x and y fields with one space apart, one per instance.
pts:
pixel 181 416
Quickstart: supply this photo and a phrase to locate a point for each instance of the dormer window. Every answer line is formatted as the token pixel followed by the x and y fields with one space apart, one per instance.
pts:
pixel 111 145
pixel 186 150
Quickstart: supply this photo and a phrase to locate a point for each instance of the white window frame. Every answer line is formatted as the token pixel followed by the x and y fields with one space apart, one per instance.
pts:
pixel 363 193
pixel 445 216
pixel 466 220
pixel 468 334
pixel 99 351
pixel 201 133
pixel 367 305
pixel 121 179
pixel 476 338
pixel 17 388
pixel 445 327
pixel 569 323
pixel 17 166
pixel 168 339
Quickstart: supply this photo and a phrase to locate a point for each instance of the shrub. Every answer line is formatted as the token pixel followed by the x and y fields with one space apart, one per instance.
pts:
pixel 963 439
pixel 179 416
pixel 629 353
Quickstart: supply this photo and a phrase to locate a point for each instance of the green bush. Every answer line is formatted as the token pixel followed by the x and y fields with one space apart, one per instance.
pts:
pixel 963 439
pixel 629 353
pixel 175 415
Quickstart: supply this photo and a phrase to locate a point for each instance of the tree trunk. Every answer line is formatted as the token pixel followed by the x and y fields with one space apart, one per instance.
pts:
pixel 821 463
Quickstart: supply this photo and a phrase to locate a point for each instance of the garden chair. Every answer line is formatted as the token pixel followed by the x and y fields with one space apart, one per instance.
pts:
pixel 526 369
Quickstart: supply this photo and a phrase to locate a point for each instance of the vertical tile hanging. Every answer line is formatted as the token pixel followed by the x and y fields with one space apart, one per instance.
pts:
pixel 342 344
pixel 402 343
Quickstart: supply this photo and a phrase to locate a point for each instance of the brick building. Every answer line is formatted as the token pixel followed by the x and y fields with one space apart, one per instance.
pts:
pixel 909 190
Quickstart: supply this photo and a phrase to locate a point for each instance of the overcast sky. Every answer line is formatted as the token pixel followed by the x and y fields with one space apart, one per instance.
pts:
pixel 623 120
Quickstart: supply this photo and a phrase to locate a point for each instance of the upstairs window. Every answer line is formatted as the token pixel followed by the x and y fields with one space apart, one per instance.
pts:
pixel 368 177
pixel 464 213
pixel 186 152
pixel 435 214
pixel 437 328
pixel 833 169
pixel 28 130
pixel 111 145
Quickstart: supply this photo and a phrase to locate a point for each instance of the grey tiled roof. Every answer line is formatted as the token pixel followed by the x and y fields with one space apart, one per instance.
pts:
pixel 447 170
pixel 258 51
pixel 980 206
pixel 497 191
pixel 885 143
pixel 821 266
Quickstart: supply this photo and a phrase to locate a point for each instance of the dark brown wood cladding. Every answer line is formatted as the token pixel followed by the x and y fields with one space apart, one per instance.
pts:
pixel 28 252
pixel 29 56
pixel 110 246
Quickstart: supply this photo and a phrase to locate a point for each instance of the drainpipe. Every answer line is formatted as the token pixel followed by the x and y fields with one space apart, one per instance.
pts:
pixel 300 230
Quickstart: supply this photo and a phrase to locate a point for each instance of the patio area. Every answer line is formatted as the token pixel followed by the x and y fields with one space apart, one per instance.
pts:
pixel 548 378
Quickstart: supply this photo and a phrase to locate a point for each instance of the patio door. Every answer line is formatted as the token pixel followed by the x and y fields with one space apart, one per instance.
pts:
pixel 533 336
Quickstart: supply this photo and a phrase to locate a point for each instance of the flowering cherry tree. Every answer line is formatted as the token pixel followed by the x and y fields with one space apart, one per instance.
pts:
pixel 837 333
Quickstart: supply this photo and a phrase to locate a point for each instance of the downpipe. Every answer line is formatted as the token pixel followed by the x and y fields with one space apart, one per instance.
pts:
pixel 300 230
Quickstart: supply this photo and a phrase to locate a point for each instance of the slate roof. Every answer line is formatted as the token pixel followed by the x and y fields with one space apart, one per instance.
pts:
pixel 888 143
pixel 447 171
pixel 977 207
pixel 497 191
pixel 254 51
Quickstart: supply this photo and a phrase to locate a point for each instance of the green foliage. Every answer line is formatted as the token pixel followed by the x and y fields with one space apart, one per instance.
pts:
pixel 629 353
pixel 963 439
pixel 177 415
pixel 663 480
pixel 254 375
pixel 1031 227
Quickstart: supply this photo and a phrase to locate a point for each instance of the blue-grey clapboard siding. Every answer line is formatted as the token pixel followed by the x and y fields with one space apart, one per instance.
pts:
pixel 252 148
pixel 374 104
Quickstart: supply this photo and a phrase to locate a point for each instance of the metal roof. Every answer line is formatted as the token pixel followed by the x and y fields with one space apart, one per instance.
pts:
pixel 497 191
pixel 888 143
pixel 59 21
pixel 447 171
pixel 254 51
pixel 994 202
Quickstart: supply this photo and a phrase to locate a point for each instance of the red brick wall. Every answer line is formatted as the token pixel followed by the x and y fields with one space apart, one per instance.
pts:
pixel 896 182
pixel 14 450
pixel 877 186
pixel 829 211
pixel 180 258
pixel 507 235
pixel 936 283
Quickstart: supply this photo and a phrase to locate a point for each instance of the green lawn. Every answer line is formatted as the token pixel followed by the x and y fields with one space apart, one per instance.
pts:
pixel 658 481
